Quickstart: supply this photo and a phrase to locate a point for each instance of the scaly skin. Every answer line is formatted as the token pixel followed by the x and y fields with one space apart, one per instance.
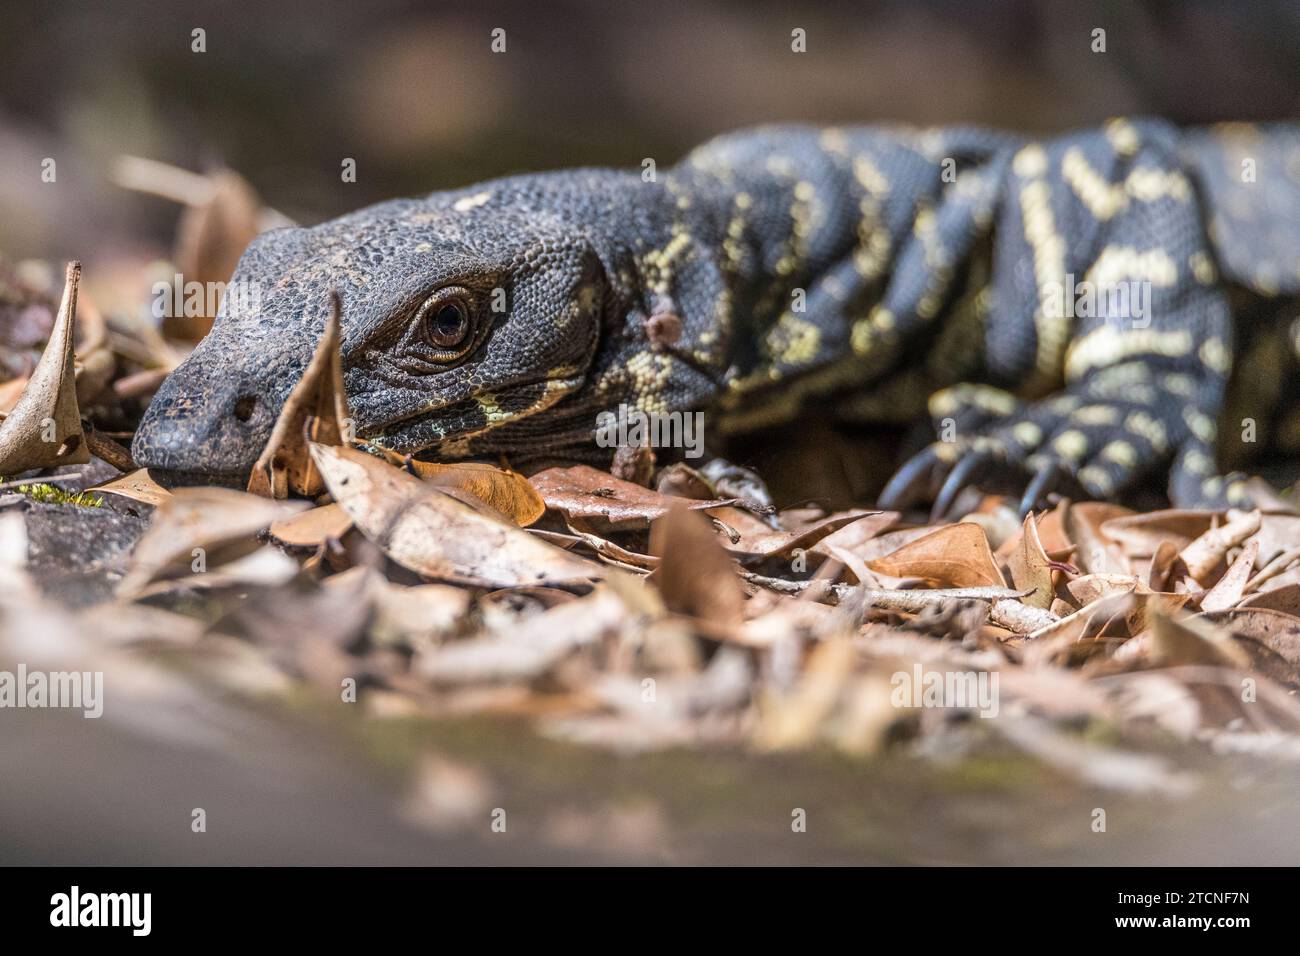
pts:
pixel 869 272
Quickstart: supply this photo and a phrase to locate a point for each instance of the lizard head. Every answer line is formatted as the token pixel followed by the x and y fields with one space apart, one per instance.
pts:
pixel 463 315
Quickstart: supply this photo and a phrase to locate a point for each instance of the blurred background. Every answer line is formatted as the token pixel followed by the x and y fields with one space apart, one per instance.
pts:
pixel 413 92
pixel 284 92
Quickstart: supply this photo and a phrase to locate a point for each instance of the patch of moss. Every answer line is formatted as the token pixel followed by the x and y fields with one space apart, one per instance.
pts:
pixel 48 494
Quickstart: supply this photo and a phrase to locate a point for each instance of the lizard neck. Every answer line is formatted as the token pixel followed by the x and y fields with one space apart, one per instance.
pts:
pixel 836 248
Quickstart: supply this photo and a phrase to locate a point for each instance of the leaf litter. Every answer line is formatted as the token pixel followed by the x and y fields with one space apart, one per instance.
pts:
pixel 650 613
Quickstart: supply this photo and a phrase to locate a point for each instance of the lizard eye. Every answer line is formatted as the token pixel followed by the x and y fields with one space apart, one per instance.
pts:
pixel 445 322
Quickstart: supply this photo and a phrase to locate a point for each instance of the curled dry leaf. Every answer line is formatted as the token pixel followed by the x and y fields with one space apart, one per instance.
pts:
pixel 44 428
pixel 529 650
pixel 1278 534
pixel 1030 566
pixel 435 535
pixel 1276 630
pixel 1193 641
pixel 213 233
pixel 1142 600
pixel 1208 551
pixel 695 575
pixel 265 567
pixel 312 528
pixel 854 535
pixel 1273 572
pixel 1094 551
pixel 1140 534
pixel 956 556
pixel 201 528
pixel 1162 566
pixel 1285 599
pixel 508 492
pixel 756 539
pixel 1063 637
pixel 1229 588
pixel 584 492
pixel 316 411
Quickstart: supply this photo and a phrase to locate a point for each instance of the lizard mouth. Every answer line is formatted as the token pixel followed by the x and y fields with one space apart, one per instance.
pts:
pixel 174 478
pixel 451 430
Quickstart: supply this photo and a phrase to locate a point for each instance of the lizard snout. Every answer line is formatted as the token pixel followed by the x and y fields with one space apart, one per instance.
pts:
pixel 204 432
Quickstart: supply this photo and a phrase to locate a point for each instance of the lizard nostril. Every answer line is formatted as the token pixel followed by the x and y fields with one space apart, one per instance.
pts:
pixel 244 406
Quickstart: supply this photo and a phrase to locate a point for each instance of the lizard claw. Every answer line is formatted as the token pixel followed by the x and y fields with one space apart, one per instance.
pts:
pixel 912 480
pixel 1047 479
pixel 969 469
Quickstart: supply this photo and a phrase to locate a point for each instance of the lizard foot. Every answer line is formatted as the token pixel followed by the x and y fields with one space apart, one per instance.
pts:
pixel 1078 445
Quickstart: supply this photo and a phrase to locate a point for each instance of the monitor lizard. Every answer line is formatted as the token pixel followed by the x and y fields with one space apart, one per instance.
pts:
pixel 1066 309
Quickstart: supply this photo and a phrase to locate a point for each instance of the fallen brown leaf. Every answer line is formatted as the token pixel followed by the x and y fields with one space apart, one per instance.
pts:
pixel 210 238
pixel 310 529
pixel 584 492
pixel 433 534
pixel 200 528
pixel 316 411
pixel 695 575
pixel 956 556
pixel 1030 567
pixel 1230 588
pixel 508 492
pixel 138 486
pixel 44 428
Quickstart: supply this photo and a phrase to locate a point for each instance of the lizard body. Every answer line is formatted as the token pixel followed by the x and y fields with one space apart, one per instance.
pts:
pixel 876 273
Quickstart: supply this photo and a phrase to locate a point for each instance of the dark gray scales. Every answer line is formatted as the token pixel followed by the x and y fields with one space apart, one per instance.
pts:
pixel 874 273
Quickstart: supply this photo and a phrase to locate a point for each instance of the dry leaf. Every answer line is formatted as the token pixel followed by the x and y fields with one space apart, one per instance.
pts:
pixel 1084 526
pixel 695 575
pixel 529 650
pixel 1208 551
pixel 1141 534
pixel 1030 567
pixel 1285 599
pixel 507 492
pixel 584 492
pixel 210 238
pixel 316 411
pixel 312 528
pixel 1193 641
pixel 1142 601
pixel 138 486
pixel 956 556
pixel 44 428
pixel 433 534
pixel 1232 585
pixel 1276 630
pixel 854 535
pixel 755 539
pixel 200 528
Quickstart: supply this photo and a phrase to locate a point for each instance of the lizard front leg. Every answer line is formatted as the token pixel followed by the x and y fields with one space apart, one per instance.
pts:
pixel 1144 339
